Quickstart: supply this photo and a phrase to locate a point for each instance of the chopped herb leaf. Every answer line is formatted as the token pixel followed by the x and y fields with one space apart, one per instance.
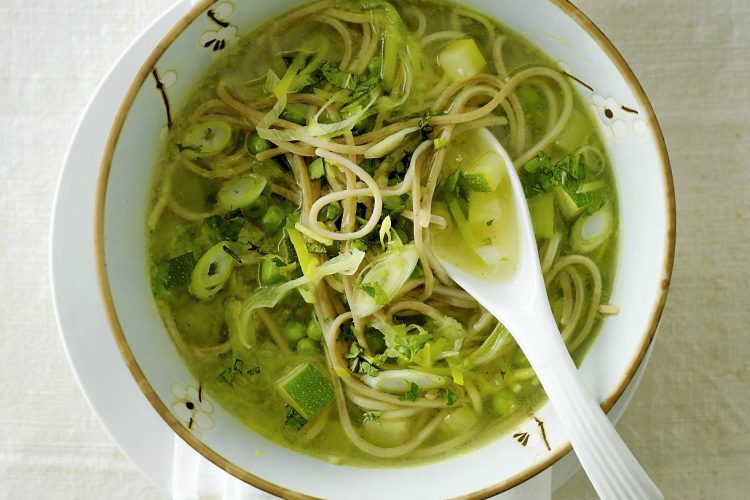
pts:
pixel 370 416
pixel 339 78
pixel 294 420
pixel 231 253
pixel 253 371
pixel 412 395
pixel 316 169
pixel 359 244
pixel 369 165
pixel 238 365
pixel 451 183
pixel 487 241
pixel 359 362
pixel 449 396
pixel 375 291
pixel 393 205
pixel 331 212
pixel 489 222
pixel 226 376
pixel 400 343
pixel 226 228
pixel 569 173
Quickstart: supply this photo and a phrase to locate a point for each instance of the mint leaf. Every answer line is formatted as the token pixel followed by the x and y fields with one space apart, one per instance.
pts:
pixel 449 396
pixel 316 169
pixel 412 395
pixel 376 292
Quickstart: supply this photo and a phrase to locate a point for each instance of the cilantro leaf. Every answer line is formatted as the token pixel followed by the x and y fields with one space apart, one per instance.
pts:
pixel 412 394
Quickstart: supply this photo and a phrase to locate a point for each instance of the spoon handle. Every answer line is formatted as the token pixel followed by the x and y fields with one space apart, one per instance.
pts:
pixel 613 470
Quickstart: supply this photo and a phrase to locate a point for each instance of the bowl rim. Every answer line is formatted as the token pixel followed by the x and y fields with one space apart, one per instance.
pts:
pixel 104 287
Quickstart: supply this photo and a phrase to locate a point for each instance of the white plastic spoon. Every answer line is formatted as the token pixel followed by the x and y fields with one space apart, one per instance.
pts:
pixel 522 305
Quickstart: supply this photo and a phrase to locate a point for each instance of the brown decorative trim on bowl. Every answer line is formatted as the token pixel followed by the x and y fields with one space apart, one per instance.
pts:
pixel 148 68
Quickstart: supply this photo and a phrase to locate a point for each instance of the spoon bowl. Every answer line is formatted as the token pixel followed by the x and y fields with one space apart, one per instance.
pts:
pixel 521 304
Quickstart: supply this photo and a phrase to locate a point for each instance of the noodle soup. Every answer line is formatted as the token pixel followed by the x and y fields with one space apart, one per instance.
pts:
pixel 295 209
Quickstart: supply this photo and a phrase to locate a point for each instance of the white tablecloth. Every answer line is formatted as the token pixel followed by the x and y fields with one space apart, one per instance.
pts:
pixel 688 423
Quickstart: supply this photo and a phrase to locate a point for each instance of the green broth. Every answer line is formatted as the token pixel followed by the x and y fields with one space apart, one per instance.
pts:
pixel 238 360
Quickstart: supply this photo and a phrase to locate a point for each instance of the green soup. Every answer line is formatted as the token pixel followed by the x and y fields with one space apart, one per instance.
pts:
pixel 300 196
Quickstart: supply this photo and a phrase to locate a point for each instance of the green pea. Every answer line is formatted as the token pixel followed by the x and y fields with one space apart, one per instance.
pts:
pixel 269 273
pixel 314 331
pixel 256 144
pixel 529 96
pixel 307 347
pixel 273 218
pixel 519 359
pixel 504 402
pixel 295 113
pixel 294 331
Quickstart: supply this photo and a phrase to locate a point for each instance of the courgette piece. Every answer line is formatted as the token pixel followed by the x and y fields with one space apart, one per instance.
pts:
pixel 567 205
pixel 484 207
pixel 574 134
pixel 461 59
pixel 460 420
pixel 387 433
pixel 306 390
pixel 485 174
pixel 542 210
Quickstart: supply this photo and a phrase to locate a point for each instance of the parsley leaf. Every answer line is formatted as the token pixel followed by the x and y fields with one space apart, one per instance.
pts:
pixel 412 394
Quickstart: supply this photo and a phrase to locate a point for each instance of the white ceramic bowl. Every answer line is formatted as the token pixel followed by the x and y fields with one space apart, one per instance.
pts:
pixel 647 235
